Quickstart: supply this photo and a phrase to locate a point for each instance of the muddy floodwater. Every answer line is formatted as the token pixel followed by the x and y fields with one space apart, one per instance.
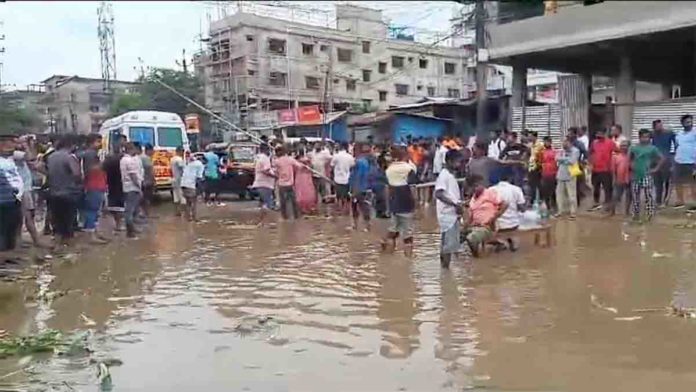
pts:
pixel 312 306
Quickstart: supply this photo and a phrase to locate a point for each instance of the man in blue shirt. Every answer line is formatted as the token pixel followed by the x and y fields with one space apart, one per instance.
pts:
pixel 685 160
pixel 665 142
pixel 361 183
pixel 212 176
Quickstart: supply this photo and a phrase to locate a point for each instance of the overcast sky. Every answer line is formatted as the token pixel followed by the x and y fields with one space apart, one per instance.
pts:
pixel 47 38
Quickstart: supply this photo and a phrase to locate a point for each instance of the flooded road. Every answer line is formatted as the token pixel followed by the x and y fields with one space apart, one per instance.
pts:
pixel 311 306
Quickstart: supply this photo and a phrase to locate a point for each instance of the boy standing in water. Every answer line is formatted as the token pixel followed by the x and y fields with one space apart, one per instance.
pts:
pixel 400 175
pixel 642 157
pixel 449 208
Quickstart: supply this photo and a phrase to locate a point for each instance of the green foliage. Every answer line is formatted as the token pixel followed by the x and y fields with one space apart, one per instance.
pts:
pixel 160 98
pixel 45 341
pixel 151 95
pixel 17 120
pixel 125 102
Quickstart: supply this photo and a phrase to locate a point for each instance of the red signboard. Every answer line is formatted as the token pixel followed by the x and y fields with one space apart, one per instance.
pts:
pixel 286 116
pixel 308 114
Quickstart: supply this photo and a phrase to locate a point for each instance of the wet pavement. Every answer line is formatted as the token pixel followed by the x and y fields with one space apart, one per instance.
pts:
pixel 312 306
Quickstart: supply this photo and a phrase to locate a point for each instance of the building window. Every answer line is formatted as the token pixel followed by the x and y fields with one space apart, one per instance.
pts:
pixel 312 82
pixel 397 62
pixel 450 68
pixel 323 48
pixel 431 91
pixel 94 109
pixel 366 46
pixel 367 103
pixel 423 63
pixel 366 75
pixel 277 79
pixel 336 81
pixel 453 92
pixel 307 49
pixel 250 38
pixel 401 89
pixel 382 96
pixel 344 55
pixel 350 84
pixel 276 46
pixel 410 59
pixel 251 72
pixel 419 87
pixel 382 67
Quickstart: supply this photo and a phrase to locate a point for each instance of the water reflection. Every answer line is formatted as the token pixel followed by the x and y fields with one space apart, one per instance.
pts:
pixel 188 306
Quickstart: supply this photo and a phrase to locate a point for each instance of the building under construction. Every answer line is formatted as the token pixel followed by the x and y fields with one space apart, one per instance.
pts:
pixel 256 64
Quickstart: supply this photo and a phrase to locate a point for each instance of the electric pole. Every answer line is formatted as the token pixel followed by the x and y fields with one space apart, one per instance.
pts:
pixel 481 66
pixel 183 60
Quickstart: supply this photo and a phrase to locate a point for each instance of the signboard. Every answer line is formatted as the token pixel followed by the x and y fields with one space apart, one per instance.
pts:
pixel 308 114
pixel 286 117
pixel 193 123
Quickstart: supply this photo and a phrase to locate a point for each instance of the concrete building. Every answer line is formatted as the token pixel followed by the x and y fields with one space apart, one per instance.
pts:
pixel 260 63
pixel 77 104
pixel 629 41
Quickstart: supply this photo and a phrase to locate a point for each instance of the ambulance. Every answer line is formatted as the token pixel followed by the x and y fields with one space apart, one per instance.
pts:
pixel 164 131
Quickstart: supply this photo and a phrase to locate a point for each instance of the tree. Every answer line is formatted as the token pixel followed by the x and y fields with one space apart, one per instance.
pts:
pixel 150 95
pixel 125 102
pixel 19 120
pixel 160 98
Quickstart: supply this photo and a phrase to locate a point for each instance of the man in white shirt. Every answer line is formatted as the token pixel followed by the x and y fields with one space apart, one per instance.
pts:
pixel 439 158
pixel 320 157
pixel 341 163
pixel 192 175
pixel 449 208
pixel 584 138
pixel 177 165
pixel 513 196
pixel 132 180
pixel 496 145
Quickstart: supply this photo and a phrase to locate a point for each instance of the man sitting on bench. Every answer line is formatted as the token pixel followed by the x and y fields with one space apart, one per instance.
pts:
pixel 485 207
pixel 513 196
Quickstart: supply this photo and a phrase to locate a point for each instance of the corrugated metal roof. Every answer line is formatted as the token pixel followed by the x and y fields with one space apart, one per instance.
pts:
pixel 423 116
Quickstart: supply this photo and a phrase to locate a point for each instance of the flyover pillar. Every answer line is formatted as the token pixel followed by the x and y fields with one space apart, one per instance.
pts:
pixel 519 85
pixel 625 95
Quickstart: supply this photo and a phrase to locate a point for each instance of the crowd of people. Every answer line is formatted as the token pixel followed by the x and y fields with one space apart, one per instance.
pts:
pixel 499 178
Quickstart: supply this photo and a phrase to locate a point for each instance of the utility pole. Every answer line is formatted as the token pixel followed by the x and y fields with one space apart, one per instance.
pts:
pixel 183 60
pixel 481 66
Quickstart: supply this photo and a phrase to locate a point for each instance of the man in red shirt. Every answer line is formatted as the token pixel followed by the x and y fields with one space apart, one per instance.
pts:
pixel 549 167
pixel 95 186
pixel 600 160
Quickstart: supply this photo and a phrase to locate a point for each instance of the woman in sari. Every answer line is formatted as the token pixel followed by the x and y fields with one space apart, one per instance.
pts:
pixel 304 186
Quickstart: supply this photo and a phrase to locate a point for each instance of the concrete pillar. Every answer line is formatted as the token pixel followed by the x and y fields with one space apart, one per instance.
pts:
pixel 625 95
pixel 519 85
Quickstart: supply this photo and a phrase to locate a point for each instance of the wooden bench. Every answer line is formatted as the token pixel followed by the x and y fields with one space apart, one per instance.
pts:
pixel 539 232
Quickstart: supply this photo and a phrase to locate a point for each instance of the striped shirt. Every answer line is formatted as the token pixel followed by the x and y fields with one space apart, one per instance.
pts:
pixel 11 184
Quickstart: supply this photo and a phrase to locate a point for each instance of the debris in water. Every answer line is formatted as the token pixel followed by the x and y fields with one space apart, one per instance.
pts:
pixel 632 318
pixel 104 377
pixel 88 321
pixel 650 310
pixel 683 312
pixel 515 339
pixel 595 302
pixel 109 362
pixel 658 255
